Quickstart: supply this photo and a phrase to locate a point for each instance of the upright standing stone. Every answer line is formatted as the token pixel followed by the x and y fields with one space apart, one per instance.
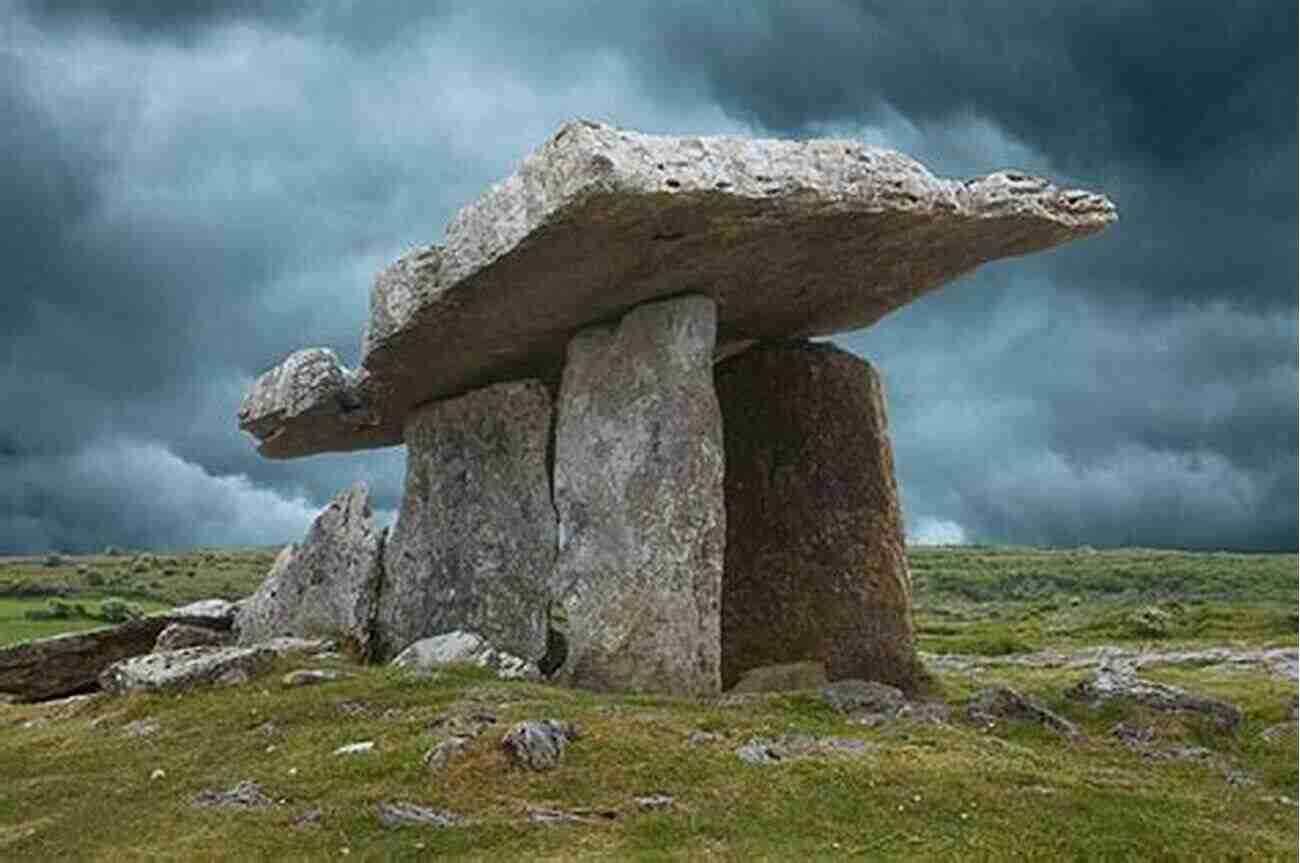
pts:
pixel 474 544
pixel 815 564
pixel 325 586
pixel 638 488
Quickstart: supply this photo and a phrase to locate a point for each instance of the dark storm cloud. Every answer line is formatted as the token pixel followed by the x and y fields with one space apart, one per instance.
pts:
pixel 192 190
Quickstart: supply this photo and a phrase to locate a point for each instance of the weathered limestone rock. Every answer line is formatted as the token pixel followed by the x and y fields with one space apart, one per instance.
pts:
pixel 196 666
pixel 466 648
pixel 791 239
pixel 328 585
pixel 815 564
pixel 68 664
pixel 474 543
pixel 638 488
pixel 538 744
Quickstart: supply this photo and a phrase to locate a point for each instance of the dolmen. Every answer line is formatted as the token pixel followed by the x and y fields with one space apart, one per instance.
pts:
pixel 627 460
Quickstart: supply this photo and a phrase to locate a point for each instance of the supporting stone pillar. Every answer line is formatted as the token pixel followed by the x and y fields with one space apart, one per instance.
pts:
pixel 815 563
pixel 638 489
pixel 474 543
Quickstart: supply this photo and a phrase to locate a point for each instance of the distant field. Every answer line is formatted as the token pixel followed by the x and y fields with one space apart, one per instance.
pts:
pixel 144 581
pixel 970 599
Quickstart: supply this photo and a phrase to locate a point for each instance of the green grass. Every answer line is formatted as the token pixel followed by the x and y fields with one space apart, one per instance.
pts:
pixel 74 786
pixel 77 787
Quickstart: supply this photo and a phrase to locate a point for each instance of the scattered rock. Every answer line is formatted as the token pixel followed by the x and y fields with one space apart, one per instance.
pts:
pixel 308 819
pixel 638 491
pixel 538 744
pixel 788 677
pixel 328 584
pixel 445 752
pixel 654 801
pixel 1117 680
pixel 176 636
pixel 815 561
pixel 542 815
pixel 1277 733
pixel 768 750
pixel 310 676
pixel 212 613
pixel 468 648
pixel 245 795
pixel 157 774
pixel 404 814
pixel 360 748
pixel 474 544
pixel 863 696
pixel 1003 702
pixel 704 738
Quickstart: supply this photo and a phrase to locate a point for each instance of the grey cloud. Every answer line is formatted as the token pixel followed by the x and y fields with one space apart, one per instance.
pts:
pixel 211 185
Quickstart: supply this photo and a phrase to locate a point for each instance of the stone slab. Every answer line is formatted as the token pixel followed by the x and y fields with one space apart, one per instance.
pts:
pixel 326 586
pixel 638 489
pixel 790 238
pixel 815 562
pixel 475 539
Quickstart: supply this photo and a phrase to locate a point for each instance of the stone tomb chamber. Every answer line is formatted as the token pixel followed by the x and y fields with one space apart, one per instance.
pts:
pixel 627 462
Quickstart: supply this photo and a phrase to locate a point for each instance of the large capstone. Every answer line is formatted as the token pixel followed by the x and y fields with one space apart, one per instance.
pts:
pixel 474 544
pixel 638 488
pixel 790 238
pixel 815 564
pixel 325 587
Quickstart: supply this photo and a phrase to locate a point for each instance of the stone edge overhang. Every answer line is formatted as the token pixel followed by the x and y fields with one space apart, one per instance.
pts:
pixel 311 403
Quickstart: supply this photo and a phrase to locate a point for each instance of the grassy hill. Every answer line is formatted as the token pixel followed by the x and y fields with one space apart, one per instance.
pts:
pixel 654 778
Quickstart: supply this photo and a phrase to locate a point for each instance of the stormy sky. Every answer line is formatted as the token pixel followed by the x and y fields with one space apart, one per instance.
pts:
pixel 192 190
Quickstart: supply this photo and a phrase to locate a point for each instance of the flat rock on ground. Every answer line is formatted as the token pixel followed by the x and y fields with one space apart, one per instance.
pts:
pixel 816 568
pixel 638 489
pixel 474 543
pixel 787 677
pixel 790 238
pixel 325 587
pixel 197 666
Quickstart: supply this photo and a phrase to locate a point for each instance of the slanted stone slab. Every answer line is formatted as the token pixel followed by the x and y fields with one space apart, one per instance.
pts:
pixel 69 664
pixel 815 564
pixel 474 544
pixel 789 238
pixel 328 585
pixel 189 667
pixel 638 488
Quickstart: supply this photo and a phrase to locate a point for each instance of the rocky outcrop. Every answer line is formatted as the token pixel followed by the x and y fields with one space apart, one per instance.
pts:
pixel 790 238
pixel 188 667
pixel 324 587
pixel 68 664
pixel 474 544
pixel 638 489
pixel 815 564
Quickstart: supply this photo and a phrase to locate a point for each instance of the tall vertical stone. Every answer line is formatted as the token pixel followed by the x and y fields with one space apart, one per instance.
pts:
pixel 638 489
pixel 815 563
pixel 326 585
pixel 474 544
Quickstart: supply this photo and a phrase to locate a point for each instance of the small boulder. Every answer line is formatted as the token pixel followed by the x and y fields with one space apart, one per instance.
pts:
pixel 180 635
pixel 538 744
pixel 769 750
pixel 467 648
pixel 361 748
pixel 1115 680
pixel 445 752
